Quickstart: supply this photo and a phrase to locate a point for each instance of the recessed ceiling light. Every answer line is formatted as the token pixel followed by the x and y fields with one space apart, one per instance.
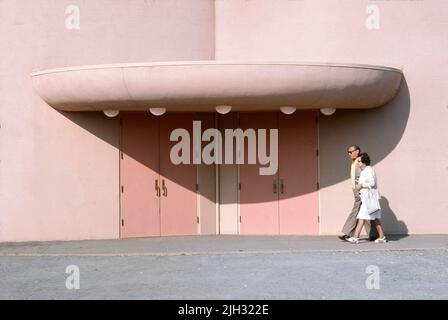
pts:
pixel 223 109
pixel 111 113
pixel 328 111
pixel 157 111
pixel 288 109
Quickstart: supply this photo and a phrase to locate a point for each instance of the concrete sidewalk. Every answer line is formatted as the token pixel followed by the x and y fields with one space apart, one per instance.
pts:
pixel 207 245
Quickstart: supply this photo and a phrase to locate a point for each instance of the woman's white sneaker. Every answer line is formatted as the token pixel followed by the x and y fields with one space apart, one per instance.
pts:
pixel 381 240
pixel 353 240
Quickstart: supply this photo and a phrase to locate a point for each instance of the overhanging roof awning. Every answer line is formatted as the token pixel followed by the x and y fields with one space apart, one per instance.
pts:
pixel 202 85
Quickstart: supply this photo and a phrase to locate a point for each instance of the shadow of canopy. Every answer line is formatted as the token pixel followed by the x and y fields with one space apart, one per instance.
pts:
pixel 377 130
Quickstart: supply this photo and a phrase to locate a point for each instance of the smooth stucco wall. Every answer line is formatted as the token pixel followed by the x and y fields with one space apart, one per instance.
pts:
pixel 59 171
pixel 406 138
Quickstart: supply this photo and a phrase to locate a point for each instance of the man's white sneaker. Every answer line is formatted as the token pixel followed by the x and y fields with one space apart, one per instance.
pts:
pixel 381 240
pixel 353 240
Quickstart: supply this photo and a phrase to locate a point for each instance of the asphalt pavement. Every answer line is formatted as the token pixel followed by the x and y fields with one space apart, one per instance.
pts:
pixel 226 267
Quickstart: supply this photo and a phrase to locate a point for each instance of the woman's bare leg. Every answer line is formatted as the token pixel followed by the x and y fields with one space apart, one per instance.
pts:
pixel 358 229
pixel 379 228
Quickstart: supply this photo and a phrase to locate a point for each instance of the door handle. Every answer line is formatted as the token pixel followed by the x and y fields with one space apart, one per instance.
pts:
pixel 164 188
pixel 282 187
pixel 156 181
pixel 275 186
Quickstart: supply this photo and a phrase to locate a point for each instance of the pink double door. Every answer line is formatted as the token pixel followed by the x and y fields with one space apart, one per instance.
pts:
pixel 158 198
pixel 286 202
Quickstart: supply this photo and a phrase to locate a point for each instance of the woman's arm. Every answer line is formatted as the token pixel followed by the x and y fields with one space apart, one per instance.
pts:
pixel 368 179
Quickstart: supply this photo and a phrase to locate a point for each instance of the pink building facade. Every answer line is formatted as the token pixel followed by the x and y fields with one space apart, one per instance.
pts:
pixel 69 172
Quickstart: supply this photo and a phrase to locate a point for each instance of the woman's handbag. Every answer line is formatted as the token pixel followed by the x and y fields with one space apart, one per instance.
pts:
pixel 372 203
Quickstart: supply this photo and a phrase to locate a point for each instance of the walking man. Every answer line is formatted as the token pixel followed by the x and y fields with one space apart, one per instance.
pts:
pixel 350 224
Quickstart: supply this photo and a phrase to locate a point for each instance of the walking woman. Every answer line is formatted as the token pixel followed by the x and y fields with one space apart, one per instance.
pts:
pixel 368 189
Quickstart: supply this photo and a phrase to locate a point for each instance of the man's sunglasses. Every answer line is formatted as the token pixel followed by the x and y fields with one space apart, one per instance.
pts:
pixel 350 152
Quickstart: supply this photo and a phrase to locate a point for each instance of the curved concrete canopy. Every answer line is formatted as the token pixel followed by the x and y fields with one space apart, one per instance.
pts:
pixel 202 85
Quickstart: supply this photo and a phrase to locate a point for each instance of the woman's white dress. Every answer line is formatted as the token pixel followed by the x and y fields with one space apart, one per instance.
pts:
pixel 367 178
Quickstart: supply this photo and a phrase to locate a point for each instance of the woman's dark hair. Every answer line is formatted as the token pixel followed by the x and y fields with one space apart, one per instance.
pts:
pixel 365 158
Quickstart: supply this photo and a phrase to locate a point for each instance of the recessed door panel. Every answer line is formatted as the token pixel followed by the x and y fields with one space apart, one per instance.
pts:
pixel 206 177
pixel 178 202
pixel 259 193
pixel 298 205
pixel 139 174
pixel 228 183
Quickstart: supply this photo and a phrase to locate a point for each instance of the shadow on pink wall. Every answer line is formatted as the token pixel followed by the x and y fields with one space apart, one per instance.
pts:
pixel 389 220
pixel 378 131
